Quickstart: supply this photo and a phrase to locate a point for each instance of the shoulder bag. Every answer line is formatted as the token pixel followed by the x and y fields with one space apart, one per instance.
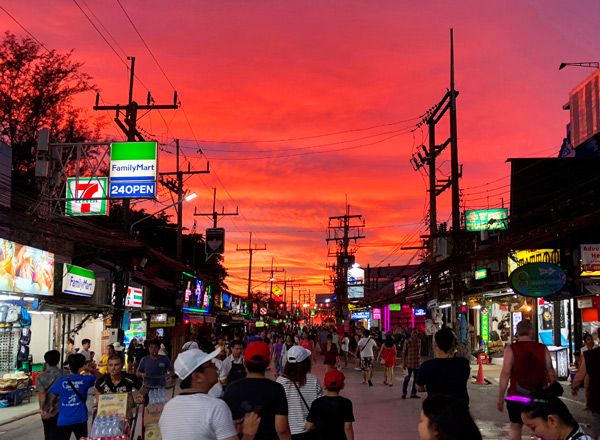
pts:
pixel 77 393
pixel 307 435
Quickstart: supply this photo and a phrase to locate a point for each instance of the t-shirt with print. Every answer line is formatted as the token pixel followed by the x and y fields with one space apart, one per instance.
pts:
pixel 71 409
pixel 366 345
pixel 329 414
pixel 263 396
pixel 297 410
pixel 196 416
pixel 447 376
pixel 43 383
pixel 155 370
pixel 128 383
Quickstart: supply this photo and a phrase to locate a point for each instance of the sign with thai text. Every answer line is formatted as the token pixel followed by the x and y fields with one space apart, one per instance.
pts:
pixel 486 219
pixel 519 258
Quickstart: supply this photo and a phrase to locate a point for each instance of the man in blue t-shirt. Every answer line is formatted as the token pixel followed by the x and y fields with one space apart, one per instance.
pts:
pixel 154 368
pixel 71 392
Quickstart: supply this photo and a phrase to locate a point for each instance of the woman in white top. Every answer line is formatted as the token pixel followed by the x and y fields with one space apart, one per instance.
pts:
pixel 301 389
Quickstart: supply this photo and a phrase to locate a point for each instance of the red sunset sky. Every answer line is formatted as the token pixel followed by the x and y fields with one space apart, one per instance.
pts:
pixel 275 70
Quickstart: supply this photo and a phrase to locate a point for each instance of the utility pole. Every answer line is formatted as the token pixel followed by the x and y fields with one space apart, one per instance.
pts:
pixel 251 251
pixel 176 186
pixel 273 270
pixel 342 230
pixel 456 173
pixel 129 126
pixel 215 214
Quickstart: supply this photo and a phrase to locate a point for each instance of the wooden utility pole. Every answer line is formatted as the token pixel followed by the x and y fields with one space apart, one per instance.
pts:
pixel 129 126
pixel 215 214
pixel 251 251
pixel 272 271
pixel 176 186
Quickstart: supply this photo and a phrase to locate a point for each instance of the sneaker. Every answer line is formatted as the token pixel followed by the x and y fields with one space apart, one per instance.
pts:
pixel 370 383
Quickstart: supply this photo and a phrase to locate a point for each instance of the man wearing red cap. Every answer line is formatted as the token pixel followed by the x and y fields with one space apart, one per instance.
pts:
pixel 256 393
pixel 331 416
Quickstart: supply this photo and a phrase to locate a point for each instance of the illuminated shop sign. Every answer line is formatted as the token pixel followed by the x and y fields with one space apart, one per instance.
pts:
pixel 486 219
pixel 360 315
pixel 133 168
pixel 25 269
pixel 356 282
pixel 78 280
pixel 520 258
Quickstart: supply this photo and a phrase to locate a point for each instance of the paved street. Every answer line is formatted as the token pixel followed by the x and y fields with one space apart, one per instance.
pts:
pixel 379 411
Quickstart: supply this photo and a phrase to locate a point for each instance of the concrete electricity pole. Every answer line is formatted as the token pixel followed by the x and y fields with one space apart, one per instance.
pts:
pixel 272 271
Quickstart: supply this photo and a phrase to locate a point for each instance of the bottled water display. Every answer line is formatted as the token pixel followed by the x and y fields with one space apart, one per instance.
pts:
pixel 157 396
pixel 107 426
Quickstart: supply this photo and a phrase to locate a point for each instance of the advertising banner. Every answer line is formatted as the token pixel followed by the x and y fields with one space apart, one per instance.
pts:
pixel 356 282
pixel 133 169
pixel 83 188
pixel 25 269
pixel 360 315
pixel 590 260
pixel 78 280
pixel 486 219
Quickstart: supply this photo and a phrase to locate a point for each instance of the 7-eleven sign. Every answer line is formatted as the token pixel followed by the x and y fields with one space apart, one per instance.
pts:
pixel 94 188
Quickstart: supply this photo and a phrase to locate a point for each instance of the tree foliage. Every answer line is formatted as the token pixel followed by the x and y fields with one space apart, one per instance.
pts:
pixel 37 88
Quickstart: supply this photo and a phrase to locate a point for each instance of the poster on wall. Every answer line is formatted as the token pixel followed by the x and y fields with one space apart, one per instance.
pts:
pixel 136 330
pixel 25 269
pixel 590 260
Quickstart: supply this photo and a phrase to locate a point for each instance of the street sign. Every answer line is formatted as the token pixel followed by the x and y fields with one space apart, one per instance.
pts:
pixel 87 187
pixel 277 291
pixel 263 311
pixel 215 242
pixel 133 169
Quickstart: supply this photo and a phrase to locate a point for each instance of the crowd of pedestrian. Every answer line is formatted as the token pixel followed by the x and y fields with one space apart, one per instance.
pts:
pixel 261 385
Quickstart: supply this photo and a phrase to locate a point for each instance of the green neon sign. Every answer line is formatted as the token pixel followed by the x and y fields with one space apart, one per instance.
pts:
pixel 485 324
pixel 486 219
pixel 395 307
pixel 481 274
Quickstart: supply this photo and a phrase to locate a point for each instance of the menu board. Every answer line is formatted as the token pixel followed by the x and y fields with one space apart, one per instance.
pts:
pixel 25 269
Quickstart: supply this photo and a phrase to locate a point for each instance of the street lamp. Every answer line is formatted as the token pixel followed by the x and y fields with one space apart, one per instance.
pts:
pixel 187 198
pixel 591 64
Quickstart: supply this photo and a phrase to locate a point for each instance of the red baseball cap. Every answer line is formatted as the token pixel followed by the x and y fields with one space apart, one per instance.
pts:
pixel 257 352
pixel 334 379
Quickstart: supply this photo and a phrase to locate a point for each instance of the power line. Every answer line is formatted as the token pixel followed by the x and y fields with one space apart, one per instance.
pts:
pixel 145 44
pixel 302 138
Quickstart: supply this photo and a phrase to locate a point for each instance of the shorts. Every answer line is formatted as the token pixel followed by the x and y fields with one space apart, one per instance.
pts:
pixel 366 363
pixel 514 412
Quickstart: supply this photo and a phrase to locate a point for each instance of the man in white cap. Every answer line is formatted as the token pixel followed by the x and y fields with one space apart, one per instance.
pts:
pixel 193 414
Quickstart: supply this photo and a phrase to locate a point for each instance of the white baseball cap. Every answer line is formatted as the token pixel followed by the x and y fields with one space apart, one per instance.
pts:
pixel 297 354
pixel 188 361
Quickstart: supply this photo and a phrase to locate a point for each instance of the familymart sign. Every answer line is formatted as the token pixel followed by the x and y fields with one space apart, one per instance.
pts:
pixel 78 280
pixel 133 169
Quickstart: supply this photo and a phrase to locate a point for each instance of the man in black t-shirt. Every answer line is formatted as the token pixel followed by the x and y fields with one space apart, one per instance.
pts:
pixel 446 374
pixel 255 393
pixel 331 415
pixel 116 381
